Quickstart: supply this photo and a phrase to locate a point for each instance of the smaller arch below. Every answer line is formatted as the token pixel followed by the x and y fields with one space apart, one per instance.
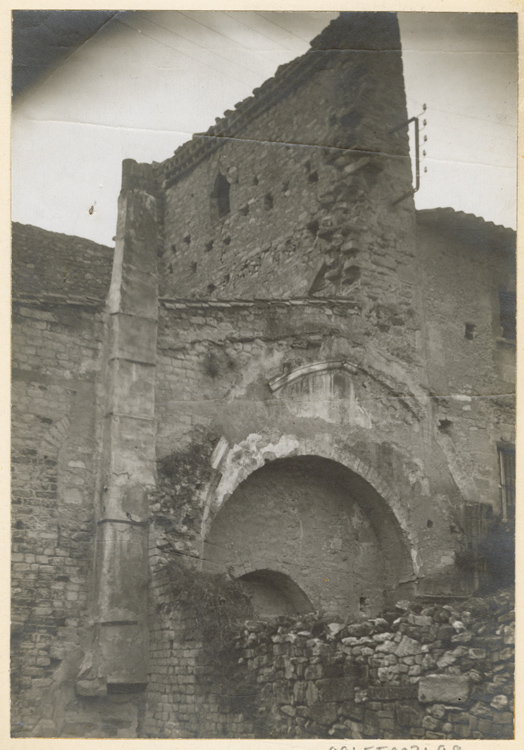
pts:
pixel 275 593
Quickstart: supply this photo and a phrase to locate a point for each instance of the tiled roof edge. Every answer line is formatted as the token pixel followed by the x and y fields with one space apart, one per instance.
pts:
pixel 465 220
pixel 17 225
pixel 190 154
pixel 350 30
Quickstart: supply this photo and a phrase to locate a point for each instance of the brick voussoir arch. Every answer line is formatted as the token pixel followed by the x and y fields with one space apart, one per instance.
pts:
pixel 235 463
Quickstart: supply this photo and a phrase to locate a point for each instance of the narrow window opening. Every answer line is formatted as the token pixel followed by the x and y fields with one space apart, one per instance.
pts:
pixel 220 196
pixel 444 425
pixel 194 266
pixel 209 246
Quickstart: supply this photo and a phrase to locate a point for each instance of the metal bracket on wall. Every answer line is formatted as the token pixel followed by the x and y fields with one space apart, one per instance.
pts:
pixel 417 155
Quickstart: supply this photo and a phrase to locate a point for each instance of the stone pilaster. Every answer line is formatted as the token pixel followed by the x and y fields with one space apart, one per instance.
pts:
pixel 128 453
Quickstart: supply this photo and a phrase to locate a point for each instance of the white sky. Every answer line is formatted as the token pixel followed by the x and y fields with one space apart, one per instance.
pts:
pixel 142 87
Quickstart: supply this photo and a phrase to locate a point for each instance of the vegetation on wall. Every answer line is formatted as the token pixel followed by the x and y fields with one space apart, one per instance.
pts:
pixel 218 607
pixel 172 503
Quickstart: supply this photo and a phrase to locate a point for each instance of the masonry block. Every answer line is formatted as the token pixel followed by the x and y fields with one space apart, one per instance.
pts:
pixel 443 688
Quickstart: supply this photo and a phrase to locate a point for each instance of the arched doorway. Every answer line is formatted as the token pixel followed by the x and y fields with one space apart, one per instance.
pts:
pixel 317 524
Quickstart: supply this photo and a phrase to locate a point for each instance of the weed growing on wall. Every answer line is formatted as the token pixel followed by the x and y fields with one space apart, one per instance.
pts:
pixel 218 607
pixel 180 476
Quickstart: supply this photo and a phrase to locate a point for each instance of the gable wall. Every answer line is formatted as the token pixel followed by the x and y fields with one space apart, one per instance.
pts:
pixel 313 184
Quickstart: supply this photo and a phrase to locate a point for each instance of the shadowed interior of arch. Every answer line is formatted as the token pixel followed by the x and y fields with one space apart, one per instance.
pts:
pixel 274 593
pixel 321 526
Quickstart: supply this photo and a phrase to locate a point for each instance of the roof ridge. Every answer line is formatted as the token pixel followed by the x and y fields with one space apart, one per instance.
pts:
pixel 21 225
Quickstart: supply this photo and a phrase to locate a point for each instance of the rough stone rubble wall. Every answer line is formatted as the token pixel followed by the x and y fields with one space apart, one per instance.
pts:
pixel 423 670
pixel 435 672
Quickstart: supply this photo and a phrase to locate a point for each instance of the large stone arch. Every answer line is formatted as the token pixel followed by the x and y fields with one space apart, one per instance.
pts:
pixel 366 547
pixel 234 463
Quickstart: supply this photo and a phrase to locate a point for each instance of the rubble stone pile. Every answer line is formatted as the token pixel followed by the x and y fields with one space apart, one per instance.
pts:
pixel 423 670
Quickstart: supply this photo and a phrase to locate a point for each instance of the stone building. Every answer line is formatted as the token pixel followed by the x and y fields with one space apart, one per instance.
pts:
pixel 282 373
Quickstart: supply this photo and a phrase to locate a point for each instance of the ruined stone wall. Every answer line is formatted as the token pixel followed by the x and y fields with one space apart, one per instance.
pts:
pixel 57 335
pixel 181 701
pixel 424 671
pixel 362 363
pixel 311 160
pixel 55 359
pixel 471 365
pixel 214 366
pixel 225 412
pixel 221 422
